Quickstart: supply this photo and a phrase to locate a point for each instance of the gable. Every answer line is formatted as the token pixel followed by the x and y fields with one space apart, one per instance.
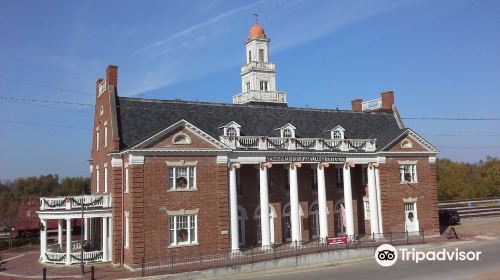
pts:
pixel 167 141
pixel 409 142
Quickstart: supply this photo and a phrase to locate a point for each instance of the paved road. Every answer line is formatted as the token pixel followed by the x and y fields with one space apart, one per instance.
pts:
pixel 488 267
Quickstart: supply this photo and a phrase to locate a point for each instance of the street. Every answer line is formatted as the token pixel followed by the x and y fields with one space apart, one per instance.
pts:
pixel 486 268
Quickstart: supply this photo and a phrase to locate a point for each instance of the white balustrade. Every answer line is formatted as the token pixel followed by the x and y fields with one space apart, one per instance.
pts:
pixel 278 143
pixel 371 104
pixel 260 96
pixel 247 142
pixel 60 258
pixel 75 202
pixel 266 66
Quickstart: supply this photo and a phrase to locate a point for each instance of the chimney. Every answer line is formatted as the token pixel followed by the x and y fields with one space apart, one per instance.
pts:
pixel 387 100
pixel 356 105
pixel 112 75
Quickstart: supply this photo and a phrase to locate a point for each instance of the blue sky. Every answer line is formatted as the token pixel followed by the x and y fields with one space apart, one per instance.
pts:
pixel 440 57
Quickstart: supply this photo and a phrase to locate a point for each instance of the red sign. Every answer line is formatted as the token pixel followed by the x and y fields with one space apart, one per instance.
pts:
pixel 337 240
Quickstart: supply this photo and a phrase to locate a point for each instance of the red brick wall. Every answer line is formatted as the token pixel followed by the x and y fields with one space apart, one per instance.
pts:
pixel 393 192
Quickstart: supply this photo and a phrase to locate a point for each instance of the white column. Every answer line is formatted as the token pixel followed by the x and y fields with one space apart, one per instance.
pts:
pixel 233 202
pixel 264 207
pixel 294 203
pixel 379 203
pixel 349 216
pixel 68 241
pixel 104 239
pixel 86 229
pixel 372 196
pixel 323 218
pixel 43 240
pixel 110 238
pixel 60 232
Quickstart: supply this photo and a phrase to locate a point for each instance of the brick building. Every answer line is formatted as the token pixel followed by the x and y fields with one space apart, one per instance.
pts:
pixel 189 177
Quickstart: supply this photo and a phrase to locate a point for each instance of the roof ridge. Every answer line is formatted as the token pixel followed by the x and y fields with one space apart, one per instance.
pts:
pixel 245 106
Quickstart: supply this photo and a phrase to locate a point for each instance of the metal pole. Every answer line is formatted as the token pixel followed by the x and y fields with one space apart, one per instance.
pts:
pixel 92 273
pixel 82 266
pixel 44 273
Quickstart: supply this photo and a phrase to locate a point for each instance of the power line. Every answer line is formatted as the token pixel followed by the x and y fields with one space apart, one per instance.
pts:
pixel 45 125
pixel 462 135
pixel 170 109
pixel 47 86
pixel 49 106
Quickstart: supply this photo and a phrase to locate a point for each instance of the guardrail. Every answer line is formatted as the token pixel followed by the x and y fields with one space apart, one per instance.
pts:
pixel 75 202
pixel 473 207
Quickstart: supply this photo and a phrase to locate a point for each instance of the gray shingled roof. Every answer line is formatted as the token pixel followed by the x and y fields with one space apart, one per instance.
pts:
pixel 141 118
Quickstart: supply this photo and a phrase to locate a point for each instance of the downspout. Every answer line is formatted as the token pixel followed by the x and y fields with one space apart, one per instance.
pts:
pixel 122 257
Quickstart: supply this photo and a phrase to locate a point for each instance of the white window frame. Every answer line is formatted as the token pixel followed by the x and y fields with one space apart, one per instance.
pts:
pixel 192 222
pixel 97 135
pixel 173 186
pixel 185 141
pixel 338 130
pixel 403 168
pixel 127 180
pixel 105 177
pixel 231 125
pixel 105 135
pixel 97 184
pixel 127 230
pixel 289 127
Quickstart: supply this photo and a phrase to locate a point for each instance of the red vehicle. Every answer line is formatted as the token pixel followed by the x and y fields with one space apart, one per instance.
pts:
pixel 28 224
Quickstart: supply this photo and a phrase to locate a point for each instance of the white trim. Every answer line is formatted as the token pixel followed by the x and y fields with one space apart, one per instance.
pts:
pixel 116 162
pixel 407 161
pixel 415 136
pixel 183 212
pixel 187 125
pixel 127 179
pixel 127 229
pixel 135 160
pixel 432 159
pixel 181 163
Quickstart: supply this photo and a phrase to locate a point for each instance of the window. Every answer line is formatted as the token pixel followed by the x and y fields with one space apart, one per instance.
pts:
pixel 314 180
pixel 287 133
pixel 97 178
pixel 340 178
pixel 97 140
pixel 249 56
pixel 127 229
pixel 181 177
pixel 231 132
pixel 126 179
pixel 287 224
pixel 406 144
pixel 248 86
pixel 408 173
pixel 181 139
pixel 263 85
pixel 106 178
pixel 364 175
pixel 337 134
pixel 183 229
pixel 105 135
pixel 101 111
pixel 315 220
pixel 261 55
pixel 366 208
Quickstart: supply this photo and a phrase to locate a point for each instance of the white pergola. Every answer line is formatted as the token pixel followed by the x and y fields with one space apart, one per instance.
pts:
pixel 97 226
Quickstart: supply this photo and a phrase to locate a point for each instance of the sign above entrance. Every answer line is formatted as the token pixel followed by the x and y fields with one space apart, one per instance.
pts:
pixel 304 159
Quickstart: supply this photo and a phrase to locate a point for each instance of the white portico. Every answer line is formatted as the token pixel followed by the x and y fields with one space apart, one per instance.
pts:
pixel 293 163
pixel 96 224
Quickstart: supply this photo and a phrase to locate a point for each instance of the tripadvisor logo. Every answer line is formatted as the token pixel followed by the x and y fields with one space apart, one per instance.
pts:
pixel 386 255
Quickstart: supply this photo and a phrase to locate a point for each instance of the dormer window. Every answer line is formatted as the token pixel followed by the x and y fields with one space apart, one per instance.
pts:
pixel 231 132
pixel 287 131
pixel 337 133
pixel 231 129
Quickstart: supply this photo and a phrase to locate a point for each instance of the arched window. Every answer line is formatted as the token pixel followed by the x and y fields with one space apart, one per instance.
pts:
pixel 314 213
pixel 242 216
pixel 406 144
pixel 287 222
pixel 272 215
pixel 181 138
pixel 339 218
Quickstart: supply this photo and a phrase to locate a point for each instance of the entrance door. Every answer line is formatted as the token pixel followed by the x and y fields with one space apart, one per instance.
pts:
pixel 411 217
pixel 339 218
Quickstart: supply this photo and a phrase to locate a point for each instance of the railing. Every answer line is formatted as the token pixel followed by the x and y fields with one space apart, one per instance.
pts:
pixel 260 96
pixel 476 207
pixel 75 257
pixel 201 261
pixel 75 202
pixel 371 104
pixel 308 144
pixel 266 66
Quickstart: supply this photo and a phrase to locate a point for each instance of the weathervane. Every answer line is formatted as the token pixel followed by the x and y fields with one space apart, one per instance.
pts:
pixel 256 17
